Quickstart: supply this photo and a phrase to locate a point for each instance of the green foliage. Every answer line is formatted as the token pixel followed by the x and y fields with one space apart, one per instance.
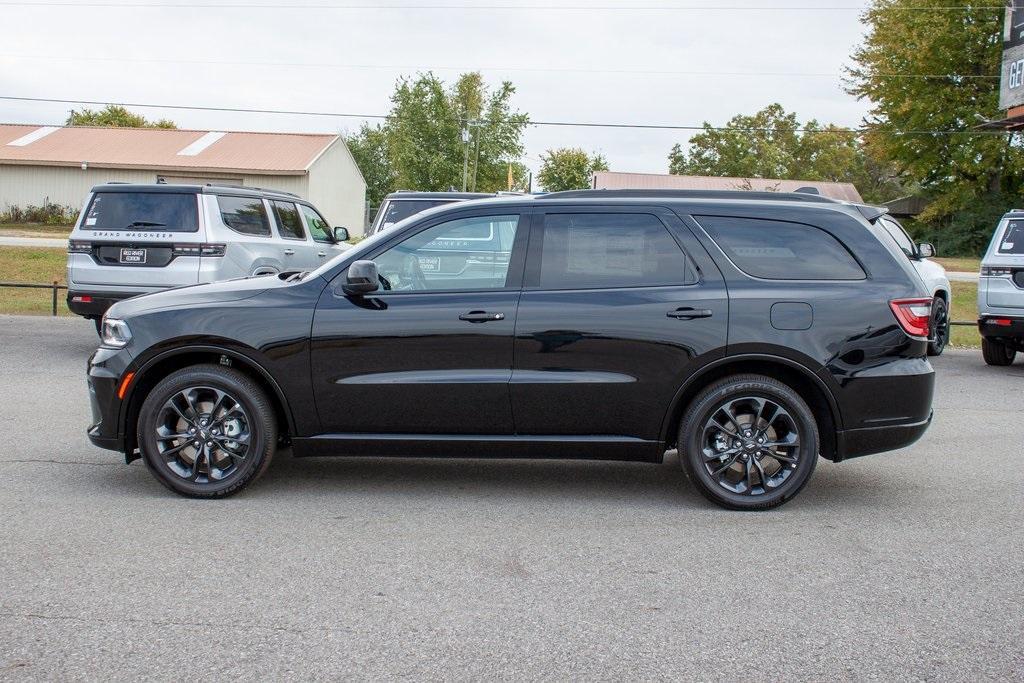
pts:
pixel 424 134
pixel 971 178
pixel 49 214
pixel 772 143
pixel 569 169
pixel 370 150
pixel 116 116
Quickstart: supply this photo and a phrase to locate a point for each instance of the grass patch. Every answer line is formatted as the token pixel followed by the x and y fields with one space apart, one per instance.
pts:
pixel 32 265
pixel 963 264
pixel 964 307
pixel 35 230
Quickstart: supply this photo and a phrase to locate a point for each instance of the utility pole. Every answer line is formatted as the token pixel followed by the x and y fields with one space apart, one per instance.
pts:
pixel 465 154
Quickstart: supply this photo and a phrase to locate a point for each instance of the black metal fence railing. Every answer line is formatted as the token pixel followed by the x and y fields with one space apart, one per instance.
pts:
pixel 54 287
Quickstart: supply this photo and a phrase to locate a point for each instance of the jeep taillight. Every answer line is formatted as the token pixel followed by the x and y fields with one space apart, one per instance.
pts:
pixel 995 271
pixel 79 247
pixel 199 249
pixel 913 315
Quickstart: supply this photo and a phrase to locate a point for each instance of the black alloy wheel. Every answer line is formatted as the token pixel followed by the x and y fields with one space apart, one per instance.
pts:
pixel 207 431
pixel 748 442
pixel 940 327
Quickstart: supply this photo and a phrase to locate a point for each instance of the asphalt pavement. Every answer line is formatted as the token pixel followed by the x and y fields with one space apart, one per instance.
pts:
pixel 901 566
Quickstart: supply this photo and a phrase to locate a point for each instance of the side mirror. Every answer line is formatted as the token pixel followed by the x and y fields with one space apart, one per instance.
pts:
pixel 361 278
pixel 925 250
pixel 341 235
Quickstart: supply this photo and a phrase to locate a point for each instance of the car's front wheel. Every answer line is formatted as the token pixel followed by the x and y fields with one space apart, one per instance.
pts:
pixel 748 442
pixel 207 431
pixel 940 327
pixel 996 353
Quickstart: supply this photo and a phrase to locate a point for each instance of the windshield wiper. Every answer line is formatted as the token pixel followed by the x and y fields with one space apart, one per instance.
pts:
pixel 144 224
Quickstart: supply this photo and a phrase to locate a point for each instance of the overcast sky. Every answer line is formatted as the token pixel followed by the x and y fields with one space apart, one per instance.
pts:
pixel 582 65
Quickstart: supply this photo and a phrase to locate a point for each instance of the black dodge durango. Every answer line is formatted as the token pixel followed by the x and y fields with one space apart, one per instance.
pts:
pixel 753 332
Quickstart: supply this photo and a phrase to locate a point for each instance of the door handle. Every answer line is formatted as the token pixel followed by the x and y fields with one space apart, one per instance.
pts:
pixel 289 252
pixel 688 313
pixel 322 254
pixel 481 316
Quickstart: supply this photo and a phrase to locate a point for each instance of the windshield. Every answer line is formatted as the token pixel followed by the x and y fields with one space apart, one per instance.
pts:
pixel 1013 238
pixel 158 211
pixel 396 210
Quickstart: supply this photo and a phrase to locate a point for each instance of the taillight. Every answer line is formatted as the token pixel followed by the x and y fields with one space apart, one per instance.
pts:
pixel 79 247
pixel 994 271
pixel 199 249
pixel 913 315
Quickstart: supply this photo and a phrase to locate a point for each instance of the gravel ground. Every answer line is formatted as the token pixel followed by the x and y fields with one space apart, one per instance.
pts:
pixel 906 565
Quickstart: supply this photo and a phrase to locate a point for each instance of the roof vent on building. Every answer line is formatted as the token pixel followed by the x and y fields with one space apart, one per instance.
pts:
pixel 202 143
pixel 37 134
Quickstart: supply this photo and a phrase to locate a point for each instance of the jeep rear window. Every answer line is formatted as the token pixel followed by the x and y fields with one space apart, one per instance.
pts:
pixel 780 250
pixel 1013 238
pixel 138 211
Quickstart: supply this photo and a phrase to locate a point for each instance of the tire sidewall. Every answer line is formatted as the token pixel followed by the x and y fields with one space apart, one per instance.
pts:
pixel 255 405
pixel 703 407
pixel 934 348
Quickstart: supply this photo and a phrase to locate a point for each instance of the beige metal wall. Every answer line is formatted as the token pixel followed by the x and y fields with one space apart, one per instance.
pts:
pixel 337 188
pixel 24 185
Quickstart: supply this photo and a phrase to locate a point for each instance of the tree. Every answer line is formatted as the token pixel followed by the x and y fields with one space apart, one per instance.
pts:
pixel 568 169
pixel 370 149
pixel 424 134
pixel 772 143
pixel 970 177
pixel 115 116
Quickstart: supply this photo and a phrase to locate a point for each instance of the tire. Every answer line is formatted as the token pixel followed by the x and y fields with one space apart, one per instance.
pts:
pixel 996 353
pixel 239 432
pixel 748 398
pixel 940 323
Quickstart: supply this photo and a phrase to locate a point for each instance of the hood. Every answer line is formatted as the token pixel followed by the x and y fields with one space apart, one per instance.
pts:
pixel 196 295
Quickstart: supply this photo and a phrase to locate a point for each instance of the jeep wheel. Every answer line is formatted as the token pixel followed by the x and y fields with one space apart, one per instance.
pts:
pixel 207 431
pixel 996 353
pixel 940 327
pixel 748 442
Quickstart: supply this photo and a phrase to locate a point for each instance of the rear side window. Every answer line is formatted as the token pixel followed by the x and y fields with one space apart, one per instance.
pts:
pixel 779 250
pixel 246 215
pixel 288 222
pixel 138 211
pixel 1013 238
pixel 591 250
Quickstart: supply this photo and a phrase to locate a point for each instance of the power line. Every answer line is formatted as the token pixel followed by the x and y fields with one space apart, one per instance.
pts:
pixel 577 124
pixel 477 7
pixel 398 67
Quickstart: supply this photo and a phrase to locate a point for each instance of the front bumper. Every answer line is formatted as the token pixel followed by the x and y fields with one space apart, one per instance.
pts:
pixel 106 369
pixel 95 304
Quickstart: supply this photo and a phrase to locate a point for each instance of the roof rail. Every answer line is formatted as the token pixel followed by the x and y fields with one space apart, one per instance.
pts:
pixel 692 194
pixel 250 187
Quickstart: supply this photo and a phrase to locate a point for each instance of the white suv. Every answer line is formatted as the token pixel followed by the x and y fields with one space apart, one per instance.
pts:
pixel 136 239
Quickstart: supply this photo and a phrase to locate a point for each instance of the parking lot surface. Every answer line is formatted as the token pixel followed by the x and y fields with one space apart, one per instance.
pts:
pixel 908 565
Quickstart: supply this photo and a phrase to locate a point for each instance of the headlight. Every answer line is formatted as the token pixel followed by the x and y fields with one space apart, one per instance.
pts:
pixel 115 333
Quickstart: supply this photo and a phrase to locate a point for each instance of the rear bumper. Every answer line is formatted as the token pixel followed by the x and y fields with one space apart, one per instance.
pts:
pixel 853 443
pixel 92 304
pixel 988 327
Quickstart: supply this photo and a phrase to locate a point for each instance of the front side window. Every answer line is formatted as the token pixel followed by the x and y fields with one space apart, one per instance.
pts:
pixel 246 215
pixel 592 250
pixel 288 222
pixel 1013 238
pixel 458 255
pixel 318 227
pixel 780 250
pixel 140 211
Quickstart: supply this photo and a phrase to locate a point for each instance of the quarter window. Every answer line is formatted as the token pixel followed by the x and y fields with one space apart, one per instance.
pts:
pixel 288 222
pixel 1013 238
pixel 318 227
pixel 592 250
pixel 780 250
pixel 897 232
pixel 246 215
pixel 462 254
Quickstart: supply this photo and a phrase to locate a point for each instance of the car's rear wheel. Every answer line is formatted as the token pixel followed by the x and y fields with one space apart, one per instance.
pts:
pixel 996 353
pixel 207 431
pixel 748 442
pixel 940 327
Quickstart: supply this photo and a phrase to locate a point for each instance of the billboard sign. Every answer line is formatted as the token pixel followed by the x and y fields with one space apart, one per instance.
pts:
pixel 1011 83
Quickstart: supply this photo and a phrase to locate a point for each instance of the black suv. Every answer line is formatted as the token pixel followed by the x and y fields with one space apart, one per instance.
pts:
pixel 753 332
